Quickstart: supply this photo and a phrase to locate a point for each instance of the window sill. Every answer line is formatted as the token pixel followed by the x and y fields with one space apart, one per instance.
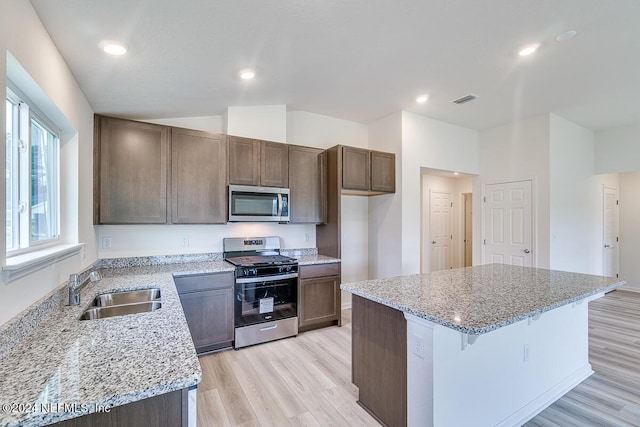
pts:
pixel 23 264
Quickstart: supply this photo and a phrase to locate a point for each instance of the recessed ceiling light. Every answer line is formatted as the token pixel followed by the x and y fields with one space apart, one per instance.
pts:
pixel 566 35
pixel 422 99
pixel 247 74
pixel 113 48
pixel 528 50
pixel 456 173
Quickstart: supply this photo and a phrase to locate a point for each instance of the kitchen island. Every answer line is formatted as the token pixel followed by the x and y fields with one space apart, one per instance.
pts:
pixel 486 345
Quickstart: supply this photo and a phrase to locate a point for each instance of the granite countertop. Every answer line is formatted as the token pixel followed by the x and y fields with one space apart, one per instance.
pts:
pixel 480 299
pixel 315 259
pixel 107 362
pixel 103 362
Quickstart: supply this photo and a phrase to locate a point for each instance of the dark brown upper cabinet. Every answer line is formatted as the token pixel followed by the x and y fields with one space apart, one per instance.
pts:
pixel 307 181
pixel 367 172
pixel 244 161
pixel 256 162
pixel 131 162
pixel 383 172
pixel 274 164
pixel 198 177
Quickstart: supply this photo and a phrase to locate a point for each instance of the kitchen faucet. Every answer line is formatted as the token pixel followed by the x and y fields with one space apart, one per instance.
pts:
pixel 75 285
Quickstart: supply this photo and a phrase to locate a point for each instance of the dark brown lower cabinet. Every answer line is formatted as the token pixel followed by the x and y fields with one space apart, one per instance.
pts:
pixel 379 360
pixel 165 410
pixel 319 301
pixel 207 301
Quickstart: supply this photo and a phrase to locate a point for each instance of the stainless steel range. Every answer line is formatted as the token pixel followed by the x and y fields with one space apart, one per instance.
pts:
pixel 266 290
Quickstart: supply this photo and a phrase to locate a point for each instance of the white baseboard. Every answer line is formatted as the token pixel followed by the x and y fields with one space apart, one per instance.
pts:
pixel 346 306
pixel 629 288
pixel 543 401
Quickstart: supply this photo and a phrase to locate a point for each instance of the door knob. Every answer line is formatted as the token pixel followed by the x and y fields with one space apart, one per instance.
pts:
pixel 433 241
pixel 526 251
pixel 607 246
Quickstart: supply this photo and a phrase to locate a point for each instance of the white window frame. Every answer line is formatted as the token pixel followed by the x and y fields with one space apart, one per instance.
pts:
pixel 21 229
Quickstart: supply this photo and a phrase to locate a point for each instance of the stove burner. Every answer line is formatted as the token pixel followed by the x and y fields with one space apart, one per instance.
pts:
pixel 258 260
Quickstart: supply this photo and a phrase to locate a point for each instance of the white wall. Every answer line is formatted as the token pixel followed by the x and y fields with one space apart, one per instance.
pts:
pixel 213 124
pixel 429 143
pixel 576 199
pixel 456 187
pixel 630 229
pixel 385 211
pixel 24 37
pixel 316 130
pixel 618 150
pixel 515 152
pixel 267 122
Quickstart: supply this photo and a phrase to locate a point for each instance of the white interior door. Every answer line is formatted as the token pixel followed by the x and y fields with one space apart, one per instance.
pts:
pixel 440 230
pixel 610 227
pixel 508 224
pixel 468 230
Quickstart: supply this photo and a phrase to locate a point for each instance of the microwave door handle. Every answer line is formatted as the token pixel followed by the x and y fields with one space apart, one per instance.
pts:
pixel 279 205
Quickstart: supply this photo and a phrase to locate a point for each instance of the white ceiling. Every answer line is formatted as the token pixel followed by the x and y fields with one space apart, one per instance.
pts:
pixel 357 60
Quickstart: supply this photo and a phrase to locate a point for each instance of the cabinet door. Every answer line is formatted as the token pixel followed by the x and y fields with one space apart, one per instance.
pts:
pixel 356 169
pixel 244 161
pixel 198 177
pixel 274 164
pixel 210 318
pixel 307 184
pixel 131 161
pixel 319 300
pixel 383 172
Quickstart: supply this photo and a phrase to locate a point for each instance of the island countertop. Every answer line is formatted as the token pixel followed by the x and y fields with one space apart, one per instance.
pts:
pixel 480 299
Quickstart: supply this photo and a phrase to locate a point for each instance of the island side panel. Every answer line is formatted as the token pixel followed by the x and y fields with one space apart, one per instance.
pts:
pixel 379 360
pixel 504 378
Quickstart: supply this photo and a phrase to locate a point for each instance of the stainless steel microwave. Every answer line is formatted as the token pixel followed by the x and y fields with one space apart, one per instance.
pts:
pixel 249 203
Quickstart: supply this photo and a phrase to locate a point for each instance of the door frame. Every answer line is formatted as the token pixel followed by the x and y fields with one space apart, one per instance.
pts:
pixel 463 229
pixel 617 219
pixel 534 217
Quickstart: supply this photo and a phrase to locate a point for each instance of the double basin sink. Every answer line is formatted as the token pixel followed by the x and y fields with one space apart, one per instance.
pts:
pixel 122 303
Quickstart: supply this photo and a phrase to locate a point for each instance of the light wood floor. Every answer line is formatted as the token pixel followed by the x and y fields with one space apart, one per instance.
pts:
pixel 306 381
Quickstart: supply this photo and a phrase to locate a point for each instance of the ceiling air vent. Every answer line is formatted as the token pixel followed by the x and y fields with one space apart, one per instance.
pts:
pixel 465 99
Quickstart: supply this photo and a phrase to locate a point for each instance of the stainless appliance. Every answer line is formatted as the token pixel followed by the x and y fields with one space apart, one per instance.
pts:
pixel 266 290
pixel 248 203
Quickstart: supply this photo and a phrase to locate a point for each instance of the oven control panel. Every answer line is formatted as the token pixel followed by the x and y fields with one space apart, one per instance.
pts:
pixel 266 271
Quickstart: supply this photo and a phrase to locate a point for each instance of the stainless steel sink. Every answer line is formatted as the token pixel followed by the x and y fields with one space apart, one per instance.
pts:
pixel 119 310
pixel 126 297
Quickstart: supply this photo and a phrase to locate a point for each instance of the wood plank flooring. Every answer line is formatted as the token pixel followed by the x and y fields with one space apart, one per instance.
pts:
pixel 611 396
pixel 306 381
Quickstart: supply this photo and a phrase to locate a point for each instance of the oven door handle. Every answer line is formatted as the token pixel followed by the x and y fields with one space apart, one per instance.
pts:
pixel 266 278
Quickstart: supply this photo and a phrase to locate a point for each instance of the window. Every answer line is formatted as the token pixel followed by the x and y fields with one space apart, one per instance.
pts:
pixel 32 172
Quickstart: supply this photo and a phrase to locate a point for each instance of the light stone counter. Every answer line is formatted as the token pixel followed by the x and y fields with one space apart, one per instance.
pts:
pixel 103 362
pixel 490 345
pixel 480 299
pixel 315 259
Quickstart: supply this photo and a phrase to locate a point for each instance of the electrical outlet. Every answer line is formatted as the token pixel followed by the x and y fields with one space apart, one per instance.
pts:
pixel 307 237
pixel 106 243
pixel 417 346
pixel 185 240
pixel 525 355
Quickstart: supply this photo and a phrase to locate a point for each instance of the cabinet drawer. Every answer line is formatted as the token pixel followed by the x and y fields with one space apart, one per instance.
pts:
pixel 319 270
pixel 203 282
